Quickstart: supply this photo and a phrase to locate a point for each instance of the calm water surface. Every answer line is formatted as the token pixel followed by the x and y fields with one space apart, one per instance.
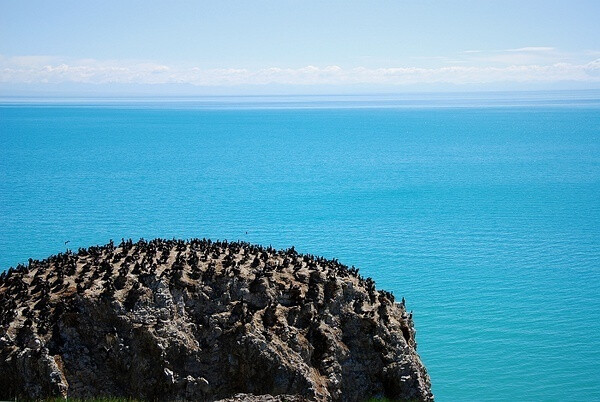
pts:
pixel 484 214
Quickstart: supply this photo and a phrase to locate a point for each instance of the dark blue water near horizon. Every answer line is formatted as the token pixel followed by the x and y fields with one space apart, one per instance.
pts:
pixel 483 213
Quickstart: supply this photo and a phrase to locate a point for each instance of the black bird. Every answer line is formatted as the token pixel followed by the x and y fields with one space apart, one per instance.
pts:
pixel 67 242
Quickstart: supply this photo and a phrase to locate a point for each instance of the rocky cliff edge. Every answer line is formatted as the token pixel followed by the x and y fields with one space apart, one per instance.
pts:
pixel 203 320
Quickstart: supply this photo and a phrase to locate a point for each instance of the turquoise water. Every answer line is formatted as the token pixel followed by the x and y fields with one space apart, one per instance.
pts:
pixel 483 212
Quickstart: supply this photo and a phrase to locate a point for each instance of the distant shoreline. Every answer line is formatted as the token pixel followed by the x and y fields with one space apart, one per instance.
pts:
pixel 410 100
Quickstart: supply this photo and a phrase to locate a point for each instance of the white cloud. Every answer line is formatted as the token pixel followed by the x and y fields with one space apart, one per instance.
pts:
pixel 529 55
pixel 530 49
pixel 44 69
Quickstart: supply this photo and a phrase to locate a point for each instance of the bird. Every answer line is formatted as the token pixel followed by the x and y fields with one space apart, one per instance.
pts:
pixel 67 242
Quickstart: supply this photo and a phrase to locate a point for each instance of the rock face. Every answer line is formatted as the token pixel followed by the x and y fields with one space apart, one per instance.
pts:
pixel 202 320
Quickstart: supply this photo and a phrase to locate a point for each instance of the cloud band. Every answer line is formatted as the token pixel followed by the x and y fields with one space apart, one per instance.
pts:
pixel 36 69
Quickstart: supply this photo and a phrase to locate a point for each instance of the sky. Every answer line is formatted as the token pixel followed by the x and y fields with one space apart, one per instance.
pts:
pixel 297 46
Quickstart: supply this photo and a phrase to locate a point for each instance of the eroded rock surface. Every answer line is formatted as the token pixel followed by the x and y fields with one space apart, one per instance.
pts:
pixel 202 320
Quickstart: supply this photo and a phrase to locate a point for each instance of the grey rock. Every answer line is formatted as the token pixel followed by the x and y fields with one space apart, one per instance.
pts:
pixel 202 320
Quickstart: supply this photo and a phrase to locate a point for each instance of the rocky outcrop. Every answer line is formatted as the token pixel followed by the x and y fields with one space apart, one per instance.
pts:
pixel 202 320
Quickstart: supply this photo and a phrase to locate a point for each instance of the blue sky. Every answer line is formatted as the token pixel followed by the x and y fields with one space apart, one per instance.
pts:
pixel 365 45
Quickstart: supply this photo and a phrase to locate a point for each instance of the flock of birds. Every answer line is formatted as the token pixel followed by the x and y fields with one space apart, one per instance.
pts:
pixel 34 290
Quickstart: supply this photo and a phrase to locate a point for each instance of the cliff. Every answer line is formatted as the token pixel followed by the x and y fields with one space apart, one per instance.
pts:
pixel 202 320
